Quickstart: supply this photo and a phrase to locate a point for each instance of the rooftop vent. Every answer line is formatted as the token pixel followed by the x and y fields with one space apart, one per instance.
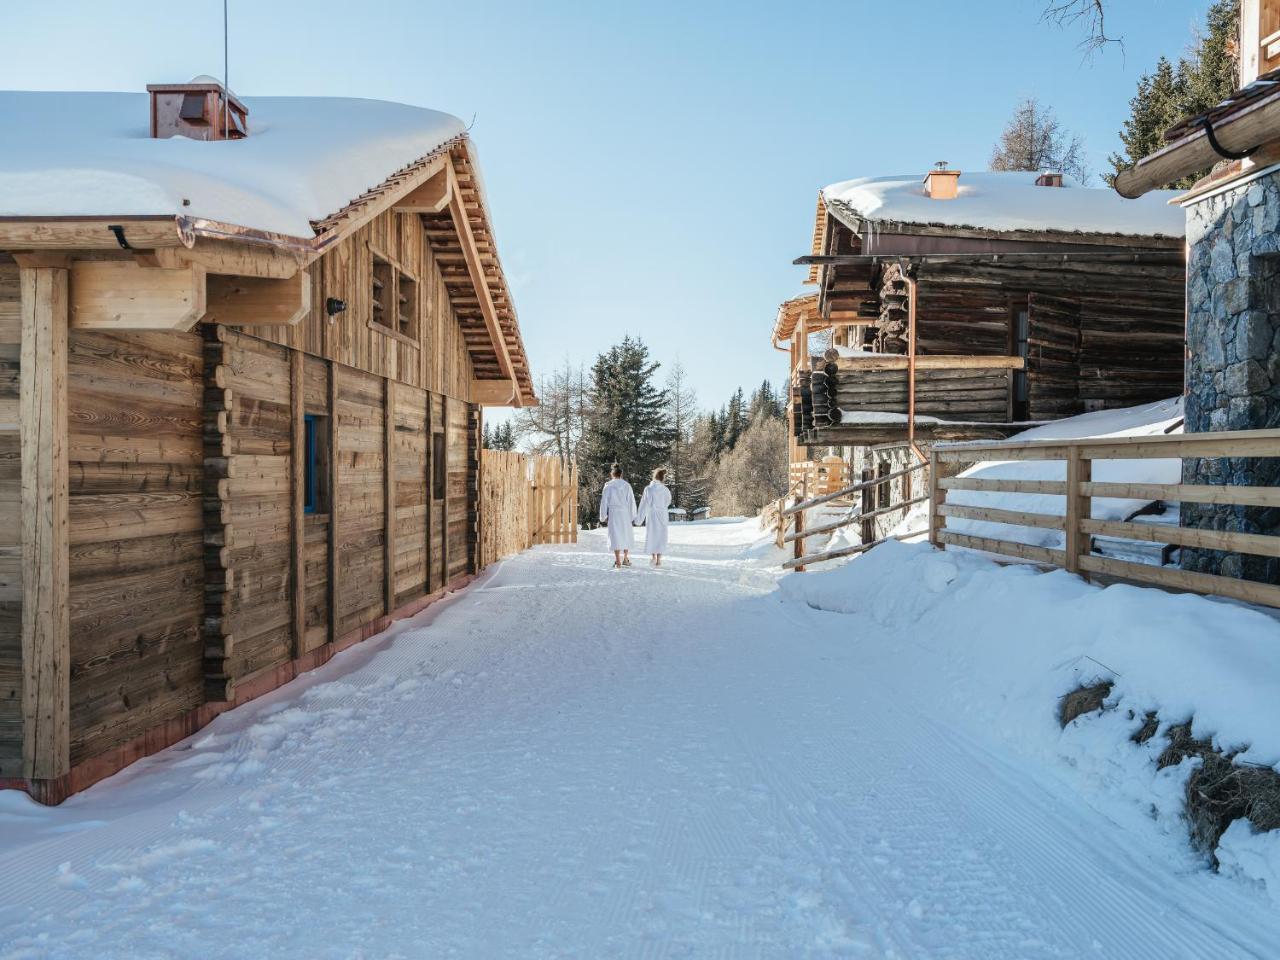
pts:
pixel 199 110
pixel 1049 178
pixel 941 183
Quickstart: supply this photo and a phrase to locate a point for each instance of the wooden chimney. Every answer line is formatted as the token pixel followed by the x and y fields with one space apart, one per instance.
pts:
pixel 1049 178
pixel 199 110
pixel 941 183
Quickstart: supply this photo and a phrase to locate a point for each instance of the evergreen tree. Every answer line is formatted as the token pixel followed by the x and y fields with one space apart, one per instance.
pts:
pixel 504 437
pixel 1206 76
pixel 629 423
pixel 486 439
pixel 735 420
pixel 764 402
pixel 1156 107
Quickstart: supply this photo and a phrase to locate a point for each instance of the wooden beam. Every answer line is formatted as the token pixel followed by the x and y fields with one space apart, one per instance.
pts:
pixel 297 515
pixel 389 492
pixel 46 627
pixel 931 362
pixel 429 197
pixel 255 301
pixel 230 257
pixel 1251 126
pixel 1007 548
pixel 493 393
pixel 1249 591
pixel 476 269
pixel 122 295
pixel 18 234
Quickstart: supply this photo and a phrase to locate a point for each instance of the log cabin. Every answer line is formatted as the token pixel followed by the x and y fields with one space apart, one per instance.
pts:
pixel 972 305
pixel 1233 266
pixel 245 349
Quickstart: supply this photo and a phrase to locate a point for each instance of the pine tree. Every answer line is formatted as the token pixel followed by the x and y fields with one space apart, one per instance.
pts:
pixel 629 423
pixel 1203 78
pixel 764 402
pixel 487 437
pixel 735 420
pixel 504 437
pixel 1033 139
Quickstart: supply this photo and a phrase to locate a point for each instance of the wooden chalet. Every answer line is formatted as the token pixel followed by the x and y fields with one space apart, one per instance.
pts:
pixel 243 373
pixel 971 305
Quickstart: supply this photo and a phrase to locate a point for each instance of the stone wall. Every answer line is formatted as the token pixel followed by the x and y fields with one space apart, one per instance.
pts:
pixel 1233 367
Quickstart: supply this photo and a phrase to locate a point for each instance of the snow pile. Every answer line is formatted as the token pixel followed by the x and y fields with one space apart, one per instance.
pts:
pixel 1006 201
pixel 995 647
pixel 1152 419
pixel 90 154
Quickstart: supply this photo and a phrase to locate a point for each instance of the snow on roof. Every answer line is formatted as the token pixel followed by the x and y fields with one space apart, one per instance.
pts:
pixel 1007 201
pixel 90 154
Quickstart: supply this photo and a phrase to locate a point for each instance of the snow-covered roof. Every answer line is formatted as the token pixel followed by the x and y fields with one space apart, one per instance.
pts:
pixel 90 154
pixel 1005 201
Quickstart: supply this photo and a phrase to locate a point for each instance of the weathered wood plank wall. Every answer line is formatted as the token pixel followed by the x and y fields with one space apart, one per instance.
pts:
pixel 440 364
pixel 136 551
pixel 10 528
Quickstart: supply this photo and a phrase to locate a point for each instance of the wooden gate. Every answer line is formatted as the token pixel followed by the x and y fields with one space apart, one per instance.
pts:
pixel 525 500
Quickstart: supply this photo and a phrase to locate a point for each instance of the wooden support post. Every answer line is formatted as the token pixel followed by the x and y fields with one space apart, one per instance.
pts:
pixel 334 501
pixel 429 477
pixel 444 508
pixel 389 492
pixel 1079 470
pixel 799 525
pixel 867 504
pixel 298 483
pixel 937 497
pixel 46 624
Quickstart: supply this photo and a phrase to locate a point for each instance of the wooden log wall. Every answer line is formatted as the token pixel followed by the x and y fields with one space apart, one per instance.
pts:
pixel 10 527
pixel 1053 355
pixel 1131 352
pixel 136 564
pixel 258 509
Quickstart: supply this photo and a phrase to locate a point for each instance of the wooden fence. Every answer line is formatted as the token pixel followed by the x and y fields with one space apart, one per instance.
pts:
pixel 525 500
pixel 1078 525
pixel 781 515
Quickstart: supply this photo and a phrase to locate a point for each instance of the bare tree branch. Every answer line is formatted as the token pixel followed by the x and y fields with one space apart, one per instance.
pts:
pixel 1091 14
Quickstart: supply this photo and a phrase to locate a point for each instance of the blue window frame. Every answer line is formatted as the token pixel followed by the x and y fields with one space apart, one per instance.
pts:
pixel 312 497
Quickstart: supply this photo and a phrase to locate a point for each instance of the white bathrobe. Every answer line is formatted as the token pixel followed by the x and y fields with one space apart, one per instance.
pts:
pixel 653 514
pixel 618 509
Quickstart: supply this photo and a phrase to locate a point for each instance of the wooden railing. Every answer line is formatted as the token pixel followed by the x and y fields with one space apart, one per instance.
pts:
pixel 796 514
pixel 1079 489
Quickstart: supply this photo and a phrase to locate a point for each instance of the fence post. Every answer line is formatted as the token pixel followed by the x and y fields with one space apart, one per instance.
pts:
pixel 1079 507
pixel 867 503
pixel 937 497
pixel 799 543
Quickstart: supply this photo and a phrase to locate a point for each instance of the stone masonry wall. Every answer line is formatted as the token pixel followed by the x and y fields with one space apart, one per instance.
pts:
pixel 1233 367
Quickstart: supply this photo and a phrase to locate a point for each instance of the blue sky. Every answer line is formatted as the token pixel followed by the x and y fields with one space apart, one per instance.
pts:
pixel 652 168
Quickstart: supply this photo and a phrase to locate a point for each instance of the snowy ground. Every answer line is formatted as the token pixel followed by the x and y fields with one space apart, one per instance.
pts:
pixel 570 761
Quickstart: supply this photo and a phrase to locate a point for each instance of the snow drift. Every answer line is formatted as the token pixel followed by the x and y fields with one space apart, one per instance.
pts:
pixel 996 647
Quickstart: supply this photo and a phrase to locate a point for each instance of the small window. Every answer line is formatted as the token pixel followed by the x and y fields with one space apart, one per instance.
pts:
pixel 437 466
pixel 316 459
pixel 394 299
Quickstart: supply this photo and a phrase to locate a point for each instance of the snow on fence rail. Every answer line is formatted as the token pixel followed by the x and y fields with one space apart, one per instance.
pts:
pixel 796 514
pixel 1077 523
pixel 526 500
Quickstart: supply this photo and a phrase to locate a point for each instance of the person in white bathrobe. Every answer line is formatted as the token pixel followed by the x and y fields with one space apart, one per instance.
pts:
pixel 653 515
pixel 618 510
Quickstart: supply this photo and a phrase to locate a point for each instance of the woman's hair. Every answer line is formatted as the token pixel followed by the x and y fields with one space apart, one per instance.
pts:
pixel 615 471
pixel 660 474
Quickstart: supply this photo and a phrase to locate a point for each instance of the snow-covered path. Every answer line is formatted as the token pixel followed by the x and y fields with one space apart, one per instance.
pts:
pixel 567 761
